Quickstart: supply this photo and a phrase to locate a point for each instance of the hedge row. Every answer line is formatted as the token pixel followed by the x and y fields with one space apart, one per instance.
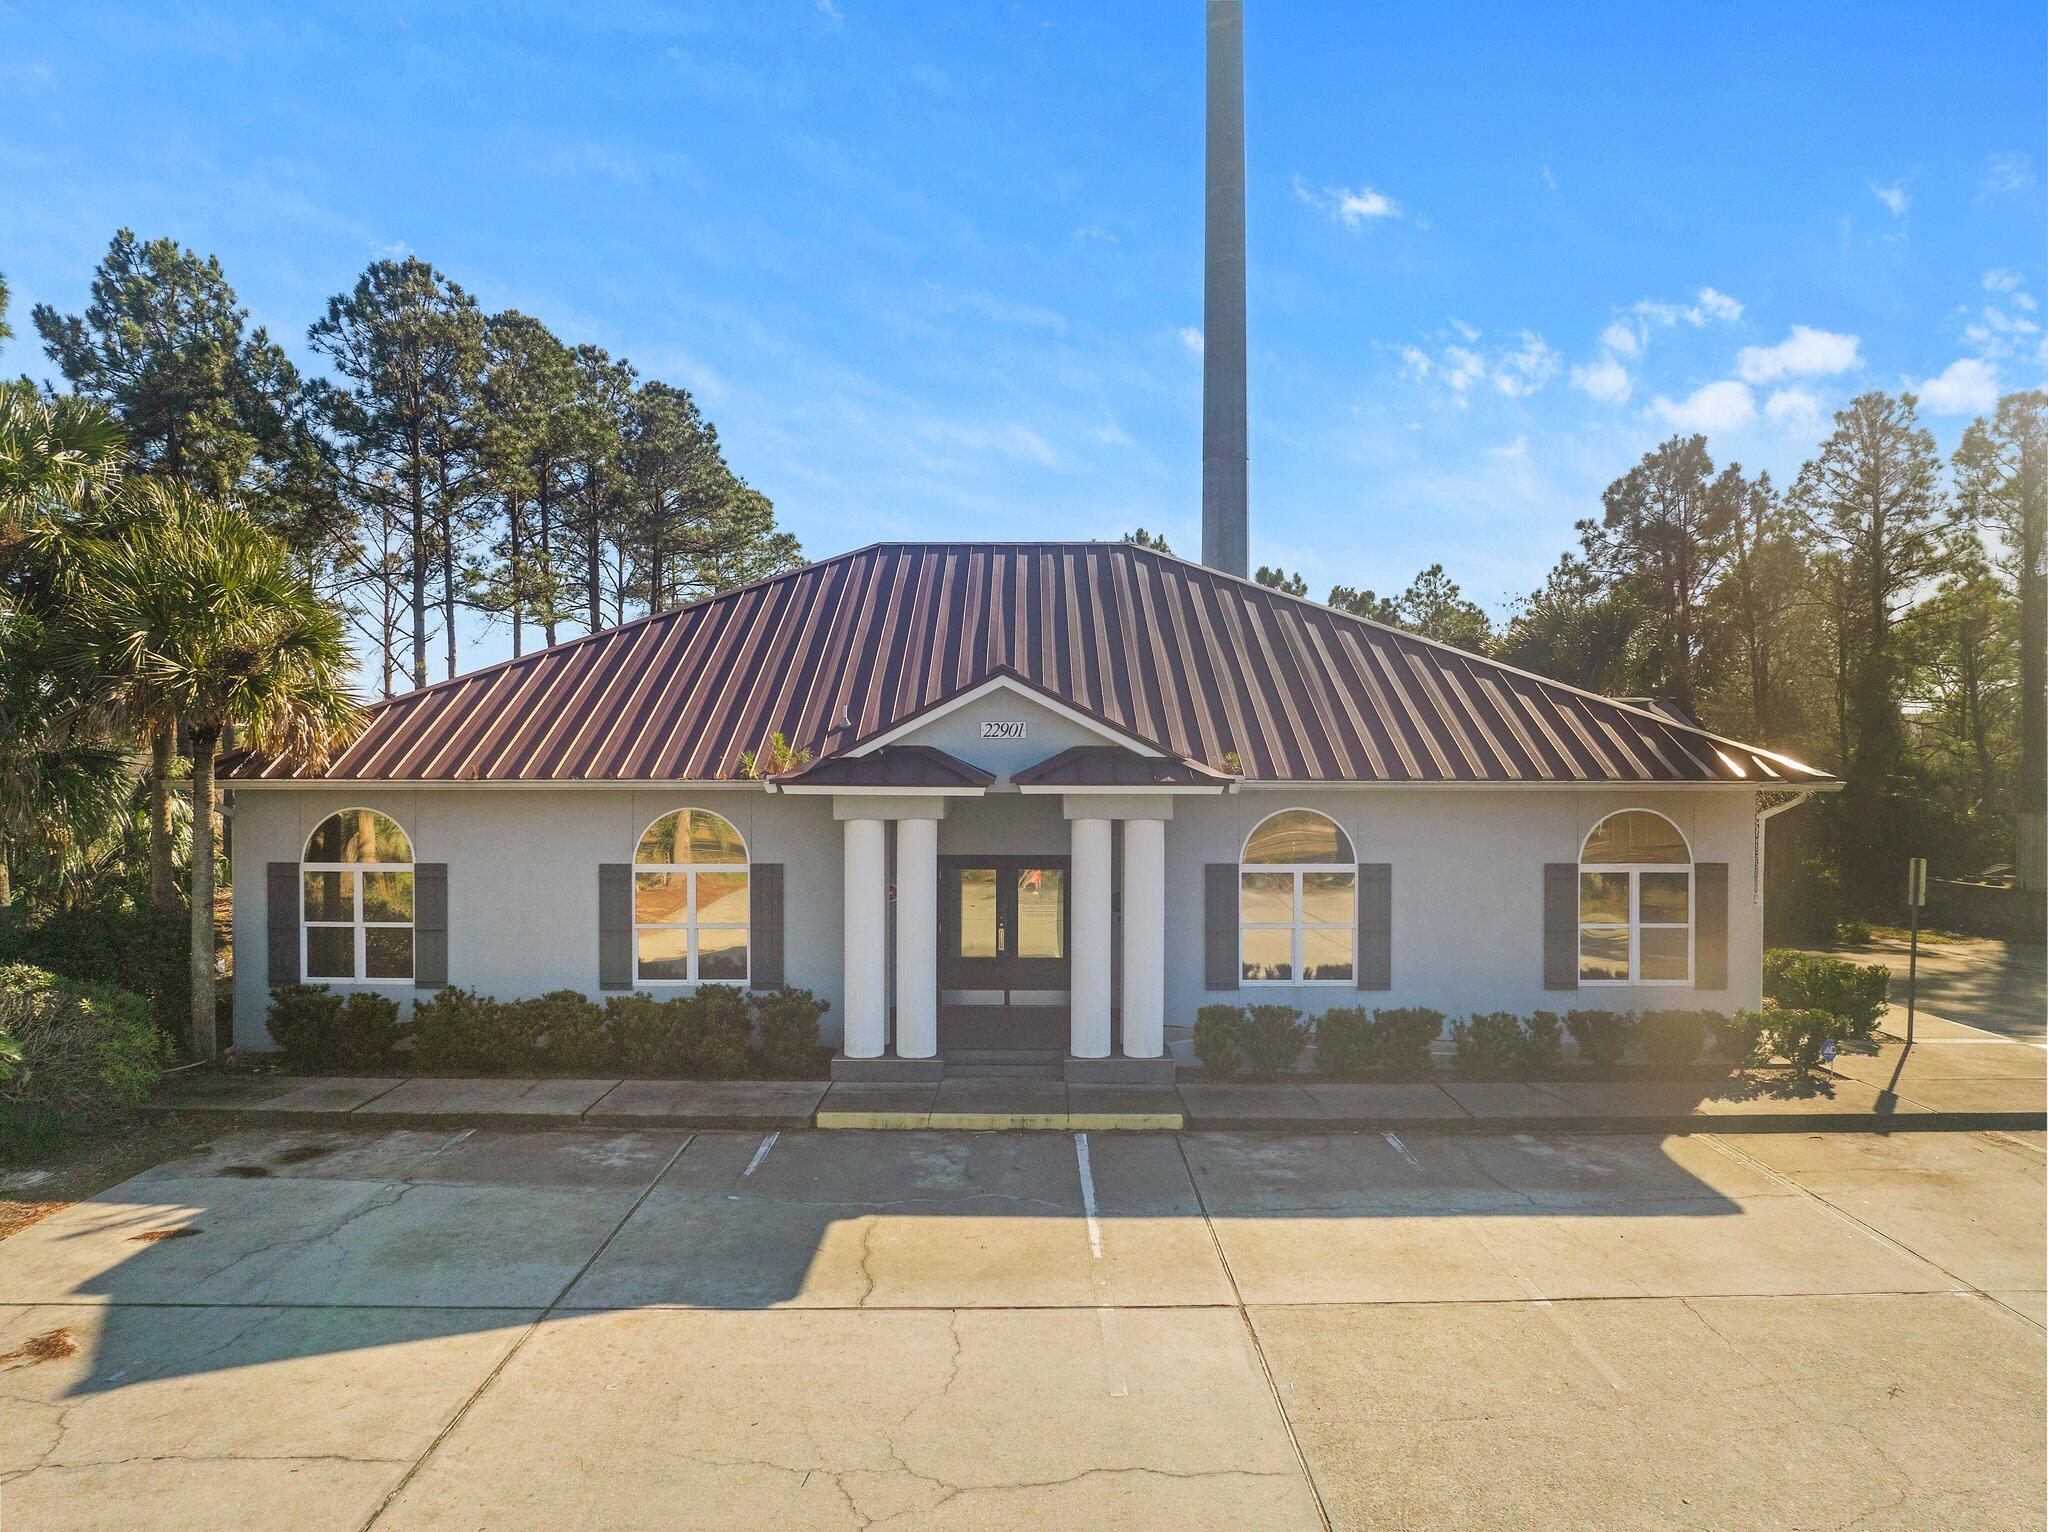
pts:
pixel 707 1034
pixel 1355 1044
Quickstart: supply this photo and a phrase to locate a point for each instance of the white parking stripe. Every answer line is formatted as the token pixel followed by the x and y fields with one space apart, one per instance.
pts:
pixel 761 1153
pixel 1088 1195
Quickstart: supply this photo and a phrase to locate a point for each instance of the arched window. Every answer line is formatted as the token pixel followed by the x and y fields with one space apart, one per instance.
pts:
pixel 690 901
pixel 355 883
pixel 1297 911
pixel 1635 902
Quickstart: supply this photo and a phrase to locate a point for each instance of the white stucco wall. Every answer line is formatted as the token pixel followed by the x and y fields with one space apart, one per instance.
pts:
pixel 1468 873
pixel 522 876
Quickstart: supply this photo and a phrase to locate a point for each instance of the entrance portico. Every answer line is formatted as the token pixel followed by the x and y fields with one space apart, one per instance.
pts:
pixel 991 947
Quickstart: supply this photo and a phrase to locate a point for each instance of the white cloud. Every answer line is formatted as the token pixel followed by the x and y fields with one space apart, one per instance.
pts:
pixel 1967 386
pixel 1606 380
pixel 1893 197
pixel 1516 369
pixel 1718 305
pixel 829 9
pixel 1630 334
pixel 1621 339
pixel 1547 178
pixel 1191 338
pixel 1095 231
pixel 1461 367
pixel 2007 173
pixel 1793 409
pixel 1527 368
pixel 1806 352
pixel 1352 207
pixel 1723 406
pixel 1518 448
pixel 2001 279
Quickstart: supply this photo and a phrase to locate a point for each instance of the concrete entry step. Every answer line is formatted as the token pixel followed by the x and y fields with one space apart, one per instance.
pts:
pixel 1002 1064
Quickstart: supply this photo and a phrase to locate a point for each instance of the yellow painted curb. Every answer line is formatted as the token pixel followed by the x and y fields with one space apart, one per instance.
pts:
pixel 985 1122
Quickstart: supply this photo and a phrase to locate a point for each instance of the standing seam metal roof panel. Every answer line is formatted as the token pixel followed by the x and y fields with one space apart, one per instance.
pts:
pixel 1202 664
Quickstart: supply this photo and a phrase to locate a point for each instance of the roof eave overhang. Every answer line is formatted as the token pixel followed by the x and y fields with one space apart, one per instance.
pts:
pixel 826 790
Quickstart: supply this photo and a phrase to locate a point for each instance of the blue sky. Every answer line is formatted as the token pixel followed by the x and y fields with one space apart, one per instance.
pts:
pixel 934 269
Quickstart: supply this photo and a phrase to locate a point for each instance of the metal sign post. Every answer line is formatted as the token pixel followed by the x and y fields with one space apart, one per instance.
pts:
pixel 1916 896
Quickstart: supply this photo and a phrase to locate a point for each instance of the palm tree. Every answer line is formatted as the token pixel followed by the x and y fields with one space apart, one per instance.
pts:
pixel 210 619
pixel 59 458
pixel 61 777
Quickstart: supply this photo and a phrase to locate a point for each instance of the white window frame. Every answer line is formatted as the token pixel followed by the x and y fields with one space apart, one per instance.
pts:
pixel 359 924
pixel 1299 925
pixel 1636 924
pixel 689 921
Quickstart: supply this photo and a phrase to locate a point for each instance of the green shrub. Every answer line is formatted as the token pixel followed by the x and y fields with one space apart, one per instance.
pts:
pixel 461 1031
pixel 1272 1038
pixel 644 1033
pixel 322 1032
pixel 693 1036
pixel 1489 1043
pixel 1855 994
pixel 565 1031
pixel 1344 1042
pixel 1542 1041
pixel 1217 1030
pixel 1603 1036
pixel 1401 1038
pixel 1673 1038
pixel 1352 1045
pixel 149 949
pixel 79 1051
pixel 788 1019
pixel 1852 932
pixel 715 1032
pixel 1796 1036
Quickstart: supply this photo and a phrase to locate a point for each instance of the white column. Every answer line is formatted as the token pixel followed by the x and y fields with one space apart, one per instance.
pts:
pixel 917 938
pixel 1144 1008
pixel 866 917
pixel 1089 982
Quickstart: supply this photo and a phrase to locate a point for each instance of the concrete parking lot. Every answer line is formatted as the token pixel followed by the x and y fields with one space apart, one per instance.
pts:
pixel 410 1329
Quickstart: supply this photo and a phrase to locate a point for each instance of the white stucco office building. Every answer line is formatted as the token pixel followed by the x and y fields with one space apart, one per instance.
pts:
pixel 1054 798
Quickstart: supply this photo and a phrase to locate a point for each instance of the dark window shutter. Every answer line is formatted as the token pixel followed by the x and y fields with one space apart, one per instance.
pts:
pixel 1560 925
pixel 430 925
pixel 1219 947
pixel 764 924
pixel 1710 925
pixel 1375 925
pixel 615 925
pixel 281 923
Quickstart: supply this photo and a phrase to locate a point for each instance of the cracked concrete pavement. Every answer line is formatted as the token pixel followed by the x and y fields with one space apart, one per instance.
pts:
pixel 732 1329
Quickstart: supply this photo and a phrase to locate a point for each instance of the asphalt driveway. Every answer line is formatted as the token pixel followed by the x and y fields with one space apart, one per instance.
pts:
pixel 328 1329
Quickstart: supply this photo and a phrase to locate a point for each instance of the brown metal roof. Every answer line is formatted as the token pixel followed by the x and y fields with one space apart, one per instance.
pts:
pixel 1208 666
pixel 890 766
pixel 1114 766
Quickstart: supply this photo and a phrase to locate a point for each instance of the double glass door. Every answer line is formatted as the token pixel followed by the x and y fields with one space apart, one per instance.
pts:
pixel 1003 922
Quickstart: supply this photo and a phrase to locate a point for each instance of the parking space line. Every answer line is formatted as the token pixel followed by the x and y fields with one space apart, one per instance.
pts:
pixel 761 1154
pixel 1088 1195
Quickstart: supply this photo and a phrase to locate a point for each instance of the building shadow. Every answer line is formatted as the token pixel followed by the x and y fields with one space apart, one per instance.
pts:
pixel 278 1245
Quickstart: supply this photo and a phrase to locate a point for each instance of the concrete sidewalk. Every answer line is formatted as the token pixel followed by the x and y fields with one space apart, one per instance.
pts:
pixel 1951 1082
